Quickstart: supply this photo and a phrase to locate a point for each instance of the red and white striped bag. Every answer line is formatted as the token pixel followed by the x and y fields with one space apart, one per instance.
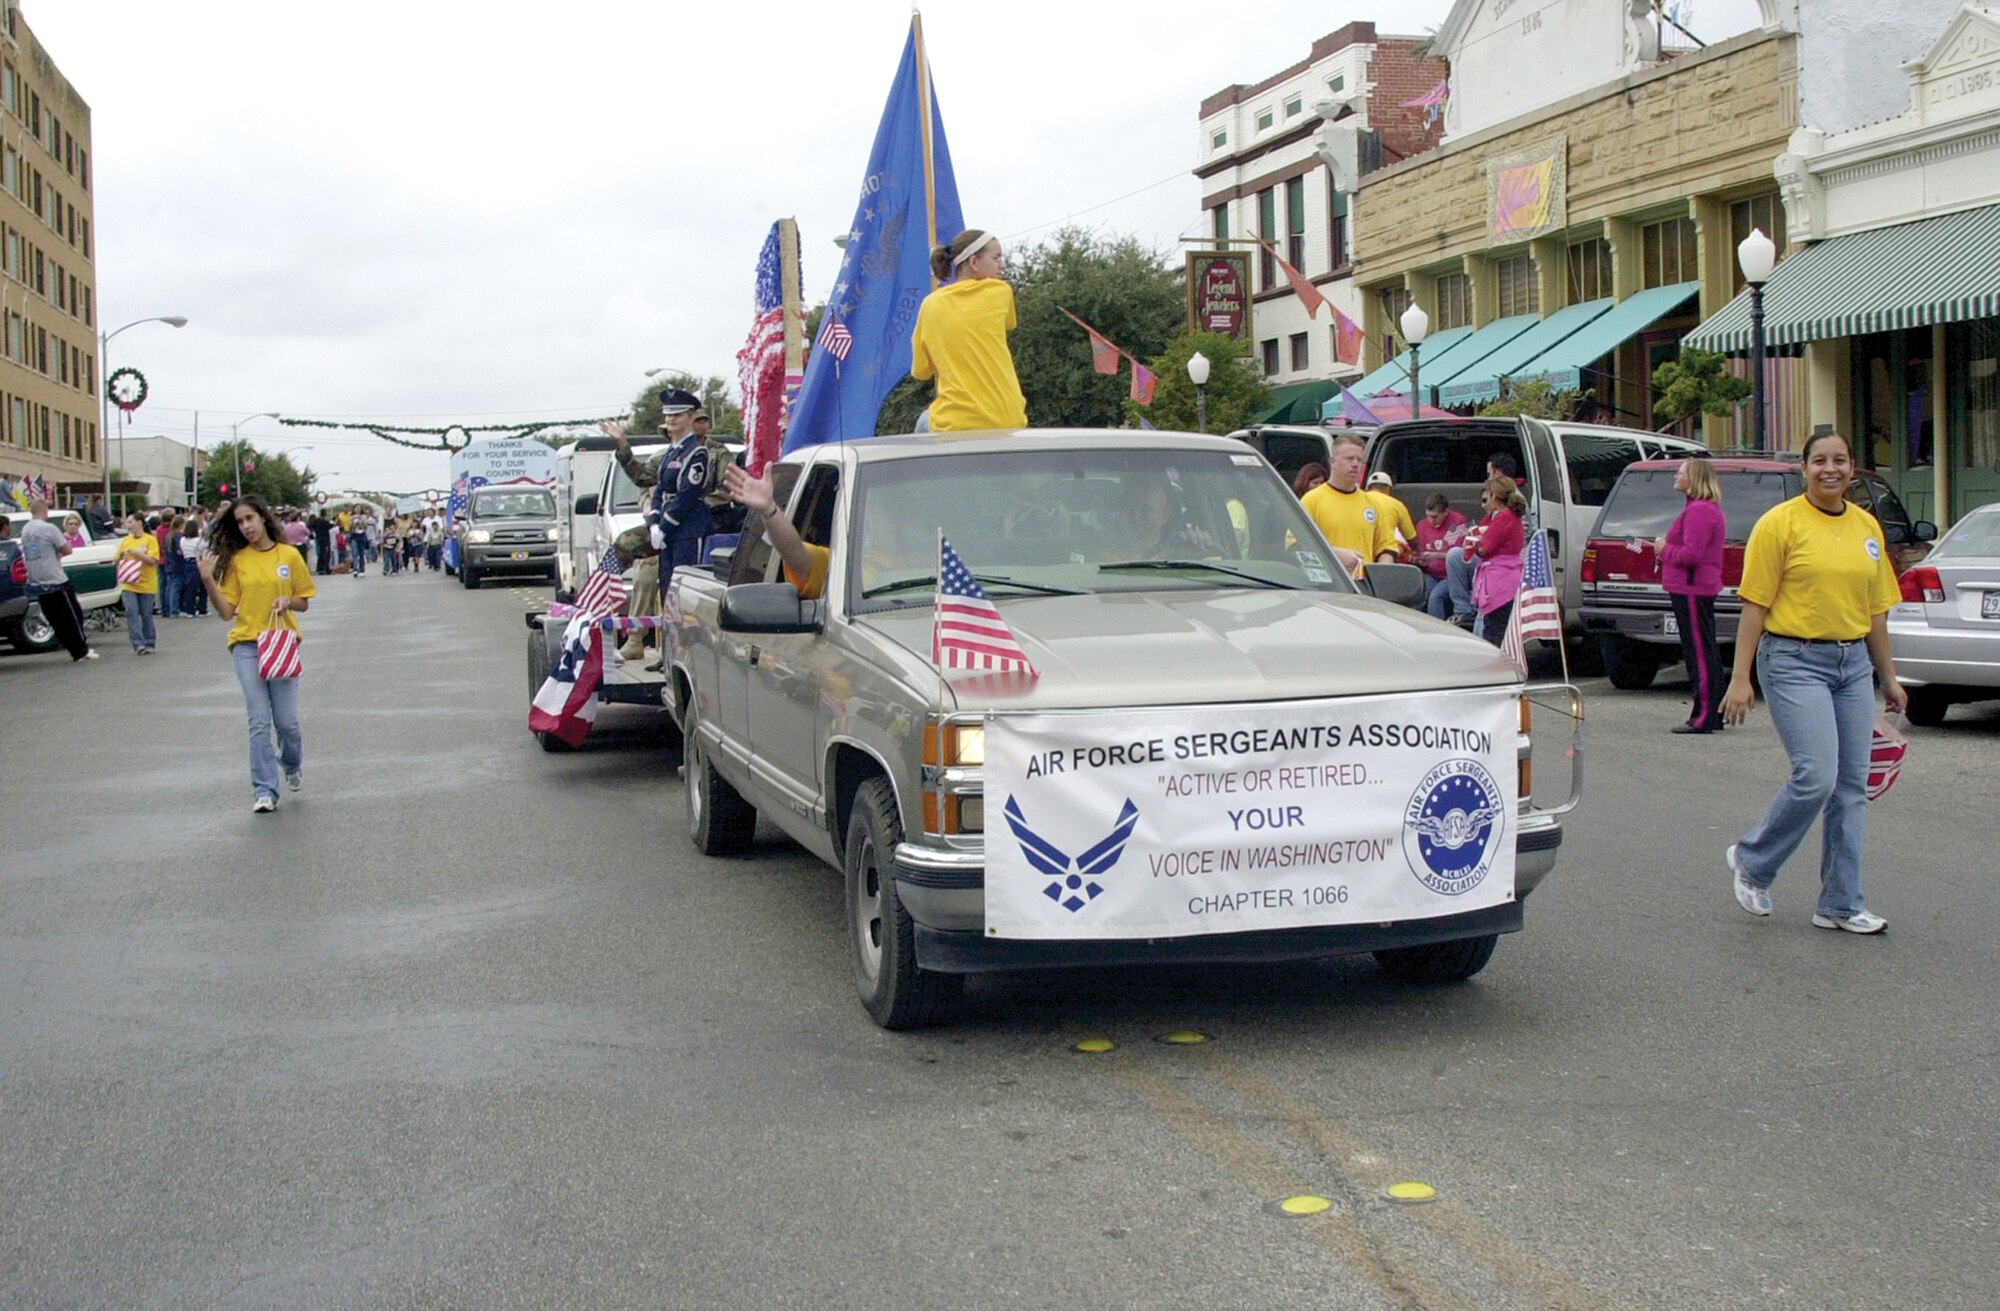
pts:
pixel 129 570
pixel 278 654
pixel 1885 757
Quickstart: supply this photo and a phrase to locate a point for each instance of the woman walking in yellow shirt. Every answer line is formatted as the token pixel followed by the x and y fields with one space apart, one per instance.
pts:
pixel 139 582
pixel 961 338
pixel 1817 588
pixel 259 582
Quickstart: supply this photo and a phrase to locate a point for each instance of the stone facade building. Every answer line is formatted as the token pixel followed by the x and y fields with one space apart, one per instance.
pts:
pixel 1281 158
pixel 48 282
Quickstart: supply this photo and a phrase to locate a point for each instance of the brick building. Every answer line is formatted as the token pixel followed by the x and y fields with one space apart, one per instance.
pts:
pixel 1281 158
pixel 48 283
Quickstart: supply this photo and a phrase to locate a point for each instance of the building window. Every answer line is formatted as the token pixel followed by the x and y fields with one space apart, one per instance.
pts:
pixel 1267 227
pixel 1221 221
pixel 1515 276
pixel 1454 302
pixel 1301 353
pixel 1270 357
pixel 1976 406
pixel 1669 253
pixel 1336 225
pixel 1338 82
pixel 1589 270
pixel 1394 301
pixel 1218 140
pixel 1295 106
pixel 1295 223
pixel 1264 120
pixel 1764 212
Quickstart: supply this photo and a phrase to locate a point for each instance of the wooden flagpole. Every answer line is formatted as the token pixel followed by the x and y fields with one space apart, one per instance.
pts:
pixel 788 282
pixel 924 109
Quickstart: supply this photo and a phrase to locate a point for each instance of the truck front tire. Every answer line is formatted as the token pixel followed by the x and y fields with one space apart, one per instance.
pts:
pixel 539 664
pixel 720 821
pixel 896 993
pixel 1438 962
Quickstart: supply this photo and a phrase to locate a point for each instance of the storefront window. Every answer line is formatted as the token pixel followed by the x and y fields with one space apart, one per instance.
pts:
pixel 1974 350
pixel 1894 400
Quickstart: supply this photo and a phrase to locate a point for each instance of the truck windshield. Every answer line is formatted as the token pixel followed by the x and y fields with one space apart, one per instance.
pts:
pixel 513 504
pixel 1084 521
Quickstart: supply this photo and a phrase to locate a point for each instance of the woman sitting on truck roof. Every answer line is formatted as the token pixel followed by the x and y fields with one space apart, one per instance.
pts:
pixel 961 338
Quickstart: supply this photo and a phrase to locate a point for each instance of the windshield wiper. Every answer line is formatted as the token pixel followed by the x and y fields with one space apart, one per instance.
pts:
pixel 1180 565
pixel 985 580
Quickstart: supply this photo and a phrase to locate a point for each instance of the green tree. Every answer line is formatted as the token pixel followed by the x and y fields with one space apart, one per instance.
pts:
pixel 1123 289
pixel 1234 392
pixel 725 415
pixel 1537 399
pixel 271 476
pixel 1696 383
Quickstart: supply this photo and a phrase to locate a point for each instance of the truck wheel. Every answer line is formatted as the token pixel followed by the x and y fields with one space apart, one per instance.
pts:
pixel 1928 706
pixel 1438 962
pixel 469 578
pixel 32 633
pixel 1629 665
pixel 539 665
pixel 720 821
pixel 894 991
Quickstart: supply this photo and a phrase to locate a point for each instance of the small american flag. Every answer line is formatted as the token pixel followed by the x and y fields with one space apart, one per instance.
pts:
pixel 604 592
pixel 834 338
pixel 1536 612
pixel 967 631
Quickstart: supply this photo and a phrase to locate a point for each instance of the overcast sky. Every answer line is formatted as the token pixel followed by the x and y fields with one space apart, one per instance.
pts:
pixel 432 212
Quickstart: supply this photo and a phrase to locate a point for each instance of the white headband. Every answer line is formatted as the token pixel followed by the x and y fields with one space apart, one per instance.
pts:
pixel 972 248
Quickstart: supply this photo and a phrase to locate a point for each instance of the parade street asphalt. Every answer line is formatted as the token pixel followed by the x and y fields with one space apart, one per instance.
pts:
pixel 467 1025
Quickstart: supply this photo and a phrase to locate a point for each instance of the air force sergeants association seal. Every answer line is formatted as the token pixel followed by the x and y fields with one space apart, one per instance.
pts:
pixel 1453 826
pixel 1072 889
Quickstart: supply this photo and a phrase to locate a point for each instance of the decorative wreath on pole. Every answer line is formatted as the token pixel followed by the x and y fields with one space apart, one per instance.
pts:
pixel 127 389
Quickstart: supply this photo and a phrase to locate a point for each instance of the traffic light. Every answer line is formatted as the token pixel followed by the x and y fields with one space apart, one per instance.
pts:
pixel 224 491
pixel 187 480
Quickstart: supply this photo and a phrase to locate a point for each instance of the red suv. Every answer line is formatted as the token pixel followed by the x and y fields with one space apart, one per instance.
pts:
pixel 1624 606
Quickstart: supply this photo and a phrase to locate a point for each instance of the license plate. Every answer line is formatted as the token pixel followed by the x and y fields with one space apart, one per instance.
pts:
pixel 1989 605
pixel 1671 626
pixel 518 555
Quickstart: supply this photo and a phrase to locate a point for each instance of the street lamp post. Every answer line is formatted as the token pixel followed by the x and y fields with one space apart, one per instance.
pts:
pixel 238 445
pixel 1757 255
pixel 1198 375
pixel 104 390
pixel 1416 326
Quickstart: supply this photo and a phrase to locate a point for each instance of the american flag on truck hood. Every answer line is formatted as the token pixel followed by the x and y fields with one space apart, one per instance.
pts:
pixel 967 631
pixel 1536 611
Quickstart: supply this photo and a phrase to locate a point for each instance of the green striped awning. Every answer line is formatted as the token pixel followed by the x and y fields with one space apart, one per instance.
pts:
pixel 1935 270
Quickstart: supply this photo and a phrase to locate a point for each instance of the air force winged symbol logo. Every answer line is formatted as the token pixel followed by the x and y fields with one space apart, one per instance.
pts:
pixel 1453 826
pixel 1072 889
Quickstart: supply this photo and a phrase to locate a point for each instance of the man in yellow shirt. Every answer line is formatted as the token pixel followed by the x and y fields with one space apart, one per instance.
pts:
pixel 1348 517
pixel 1381 489
pixel 139 556
pixel 961 339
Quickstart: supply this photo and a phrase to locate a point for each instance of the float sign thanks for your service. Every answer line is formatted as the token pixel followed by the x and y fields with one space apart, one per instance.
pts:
pixel 1226 819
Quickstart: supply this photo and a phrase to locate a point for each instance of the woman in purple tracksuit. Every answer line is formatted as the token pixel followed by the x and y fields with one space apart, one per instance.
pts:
pixel 1691 571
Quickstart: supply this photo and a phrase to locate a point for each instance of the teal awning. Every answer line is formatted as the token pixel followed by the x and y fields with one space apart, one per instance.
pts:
pixel 1298 403
pixel 1468 355
pixel 1481 383
pixel 1912 275
pixel 1564 363
pixel 1395 375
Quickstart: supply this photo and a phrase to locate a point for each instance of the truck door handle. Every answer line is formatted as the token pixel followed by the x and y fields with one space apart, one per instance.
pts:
pixel 754 653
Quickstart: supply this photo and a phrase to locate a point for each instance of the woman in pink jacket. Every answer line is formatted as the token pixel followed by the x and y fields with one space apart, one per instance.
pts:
pixel 1691 571
pixel 1497 584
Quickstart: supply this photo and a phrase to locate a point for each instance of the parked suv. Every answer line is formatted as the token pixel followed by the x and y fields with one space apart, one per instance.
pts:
pixel 508 530
pixel 1625 609
pixel 1290 447
pixel 1568 471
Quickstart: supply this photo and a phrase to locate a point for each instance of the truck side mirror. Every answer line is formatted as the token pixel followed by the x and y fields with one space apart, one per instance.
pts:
pixel 1924 530
pixel 587 504
pixel 1399 584
pixel 766 608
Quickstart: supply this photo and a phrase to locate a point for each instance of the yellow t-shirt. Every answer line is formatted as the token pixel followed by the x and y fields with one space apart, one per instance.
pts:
pixel 961 340
pixel 814 583
pixel 1351 519
pixel 1818 574
pixel 149 573
pixel 1398 515
pixel 257 578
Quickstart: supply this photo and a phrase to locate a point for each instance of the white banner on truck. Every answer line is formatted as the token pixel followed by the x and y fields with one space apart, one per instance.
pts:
pixel 1229 819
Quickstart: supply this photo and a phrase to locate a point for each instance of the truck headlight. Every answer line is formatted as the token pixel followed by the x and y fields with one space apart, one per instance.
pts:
pixel 478 537
pixel 552 534
pixel 954 744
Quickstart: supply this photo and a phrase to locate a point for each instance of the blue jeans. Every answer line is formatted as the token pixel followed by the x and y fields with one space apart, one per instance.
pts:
pixel 168 600
pixel 357 554
pixel 272 704
pixel 1459 567
pixel 194 597
pixel 139 619
pixel 1822 701
pixel 1438 602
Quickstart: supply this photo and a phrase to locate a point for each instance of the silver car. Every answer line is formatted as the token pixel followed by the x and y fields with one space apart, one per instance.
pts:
pixel 1946 633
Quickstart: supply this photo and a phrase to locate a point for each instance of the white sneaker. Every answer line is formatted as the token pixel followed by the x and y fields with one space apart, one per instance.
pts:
pixel 1861 921
pixel 264 805
pixel 1749 896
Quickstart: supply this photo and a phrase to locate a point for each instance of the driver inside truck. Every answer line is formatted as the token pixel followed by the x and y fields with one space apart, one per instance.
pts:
pixel 901 543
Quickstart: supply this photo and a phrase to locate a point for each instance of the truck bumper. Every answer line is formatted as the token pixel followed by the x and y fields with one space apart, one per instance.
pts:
pixel 1645 622
pixel 501 559
pixel 945 895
